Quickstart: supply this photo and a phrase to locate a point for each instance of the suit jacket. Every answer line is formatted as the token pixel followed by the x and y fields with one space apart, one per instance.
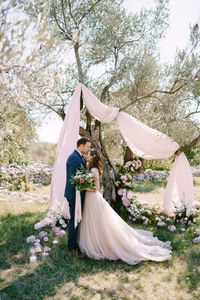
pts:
pixel 73 163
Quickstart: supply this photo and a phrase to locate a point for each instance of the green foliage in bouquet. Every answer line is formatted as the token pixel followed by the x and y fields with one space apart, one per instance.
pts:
pixel 83 179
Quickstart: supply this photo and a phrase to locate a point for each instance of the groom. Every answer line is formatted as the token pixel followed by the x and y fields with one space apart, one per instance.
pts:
pixel 74 161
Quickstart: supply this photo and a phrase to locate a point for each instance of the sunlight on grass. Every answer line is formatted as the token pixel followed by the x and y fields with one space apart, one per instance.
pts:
pixel 196 180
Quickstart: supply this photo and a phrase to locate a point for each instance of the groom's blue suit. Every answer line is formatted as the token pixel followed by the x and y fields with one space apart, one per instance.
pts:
pixel 73 163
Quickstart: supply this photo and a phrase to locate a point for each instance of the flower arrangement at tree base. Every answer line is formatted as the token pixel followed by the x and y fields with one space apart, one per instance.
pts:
pixel 141 212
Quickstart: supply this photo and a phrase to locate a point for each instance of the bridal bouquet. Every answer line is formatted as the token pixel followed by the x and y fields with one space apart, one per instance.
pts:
pixel 83 179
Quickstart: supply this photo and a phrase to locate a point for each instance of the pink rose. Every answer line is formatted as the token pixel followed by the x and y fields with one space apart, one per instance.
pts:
pixel 45 239
pixel 125 201
pixel 120 192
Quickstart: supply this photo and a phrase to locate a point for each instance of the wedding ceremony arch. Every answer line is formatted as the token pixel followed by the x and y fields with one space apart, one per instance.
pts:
pixel 143 141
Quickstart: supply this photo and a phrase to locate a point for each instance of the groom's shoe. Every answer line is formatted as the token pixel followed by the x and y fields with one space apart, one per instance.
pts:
pixel 76 252
pixel 80 254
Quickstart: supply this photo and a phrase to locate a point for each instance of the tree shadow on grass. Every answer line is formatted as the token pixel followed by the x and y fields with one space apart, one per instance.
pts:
pixel 52 272
pixel 14 230
pixel 187 252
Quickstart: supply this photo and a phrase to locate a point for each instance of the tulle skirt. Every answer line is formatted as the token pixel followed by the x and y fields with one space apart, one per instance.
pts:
pixel 103 234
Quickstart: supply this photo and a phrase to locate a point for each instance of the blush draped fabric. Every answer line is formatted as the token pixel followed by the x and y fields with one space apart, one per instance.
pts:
pixel 144 141
pixel 180 185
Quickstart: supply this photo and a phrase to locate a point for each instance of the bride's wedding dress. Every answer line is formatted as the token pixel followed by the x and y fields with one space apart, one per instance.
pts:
pixel 103 234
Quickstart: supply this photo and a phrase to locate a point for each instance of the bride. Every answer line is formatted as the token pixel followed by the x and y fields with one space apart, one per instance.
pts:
pixel 103 234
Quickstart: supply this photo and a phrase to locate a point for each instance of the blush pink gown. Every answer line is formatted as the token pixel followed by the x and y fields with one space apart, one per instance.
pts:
pixel 103 234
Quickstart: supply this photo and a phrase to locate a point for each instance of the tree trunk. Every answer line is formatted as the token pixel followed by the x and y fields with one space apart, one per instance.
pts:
pixel 93 132
pixel 128 155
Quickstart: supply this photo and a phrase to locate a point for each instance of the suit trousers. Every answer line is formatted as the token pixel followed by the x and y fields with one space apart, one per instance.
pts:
pixel 72 231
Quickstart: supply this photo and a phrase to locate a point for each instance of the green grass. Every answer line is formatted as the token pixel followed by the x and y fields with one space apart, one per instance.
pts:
pixel 61 276
pixel 149 186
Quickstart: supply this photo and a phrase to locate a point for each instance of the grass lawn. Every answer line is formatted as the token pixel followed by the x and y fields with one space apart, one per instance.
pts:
pixel 61 276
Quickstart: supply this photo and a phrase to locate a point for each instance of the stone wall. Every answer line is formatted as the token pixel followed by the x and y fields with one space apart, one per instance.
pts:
pixel 40 173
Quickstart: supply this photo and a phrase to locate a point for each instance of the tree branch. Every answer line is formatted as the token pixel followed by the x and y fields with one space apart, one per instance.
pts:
pixel 64 17
pixel 78 61
pixel 88 11
pixel 170 92
pixel 187 147
pixel 68 37
pixel 70 12
pixel 192 113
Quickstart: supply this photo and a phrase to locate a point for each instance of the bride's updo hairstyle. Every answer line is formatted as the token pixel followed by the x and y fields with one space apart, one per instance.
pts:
pixel 96 161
